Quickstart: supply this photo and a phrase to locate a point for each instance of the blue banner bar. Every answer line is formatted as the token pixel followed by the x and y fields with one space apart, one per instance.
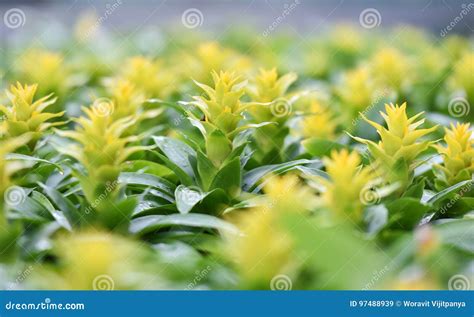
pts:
pixel 237 303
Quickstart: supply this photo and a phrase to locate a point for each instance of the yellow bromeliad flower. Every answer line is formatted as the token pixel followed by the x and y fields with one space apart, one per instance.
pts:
pixel 268 87
pixel 349 185
pixel 222 106
pixel 263 250
pixel 101 148
pixel 462 75
pixel 105 261
pixel 148 76
pixel 48 70
pixel 458 156
pixel 357 90
pixel 319 123
pixel 25 115
pixel 400 144
pixel 390 68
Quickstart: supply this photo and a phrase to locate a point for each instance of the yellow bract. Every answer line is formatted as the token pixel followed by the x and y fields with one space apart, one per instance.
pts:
pixel 458 155
pixel 101 148
pixel 400 143
pixel 148 76
pixel 221 105
pixel 319 122
pixel 462 75
pixel 104 260
pixel 47 69
pixel 126 98
pixel 357 89
pixel 390 68
pixel 264 248
pixel 349 183
pixel 25 115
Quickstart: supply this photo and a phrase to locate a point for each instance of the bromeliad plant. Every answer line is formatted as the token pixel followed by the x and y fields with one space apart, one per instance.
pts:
pixel 252 184
pixel 101 147
pixel 27 116
pixel 271 89
pixel 458 156
pixel 401 144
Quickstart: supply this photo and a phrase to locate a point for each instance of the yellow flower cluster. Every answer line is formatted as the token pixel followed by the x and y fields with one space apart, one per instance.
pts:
pixel 264 247
pixel 349 185
pixel 400 143
pixel 458 156
pixel 25 115
pixel 101 148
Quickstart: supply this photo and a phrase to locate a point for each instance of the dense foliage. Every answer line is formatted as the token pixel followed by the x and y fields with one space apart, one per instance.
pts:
pixel 245 163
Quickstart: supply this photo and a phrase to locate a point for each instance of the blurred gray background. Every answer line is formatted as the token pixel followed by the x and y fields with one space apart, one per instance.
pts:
pixel 307 16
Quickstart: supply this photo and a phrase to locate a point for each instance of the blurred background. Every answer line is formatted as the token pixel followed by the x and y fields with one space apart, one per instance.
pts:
pixel 222 15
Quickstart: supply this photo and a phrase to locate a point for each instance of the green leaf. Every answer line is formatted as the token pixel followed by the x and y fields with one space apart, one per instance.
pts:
pixel 187 197
pixel 321 147
pixel 450 191
pixel 148 167
pixel 148 180
pixel 416 190
pixel 207 171
pixel 229 178
pixel 16 156
pixel 218 147
pixel 405 213
pixel 178 152
pixel 458 233
pixel 58 215
pixel 252 177
pixel 147 224
pixel 180 173
pixel 65 205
